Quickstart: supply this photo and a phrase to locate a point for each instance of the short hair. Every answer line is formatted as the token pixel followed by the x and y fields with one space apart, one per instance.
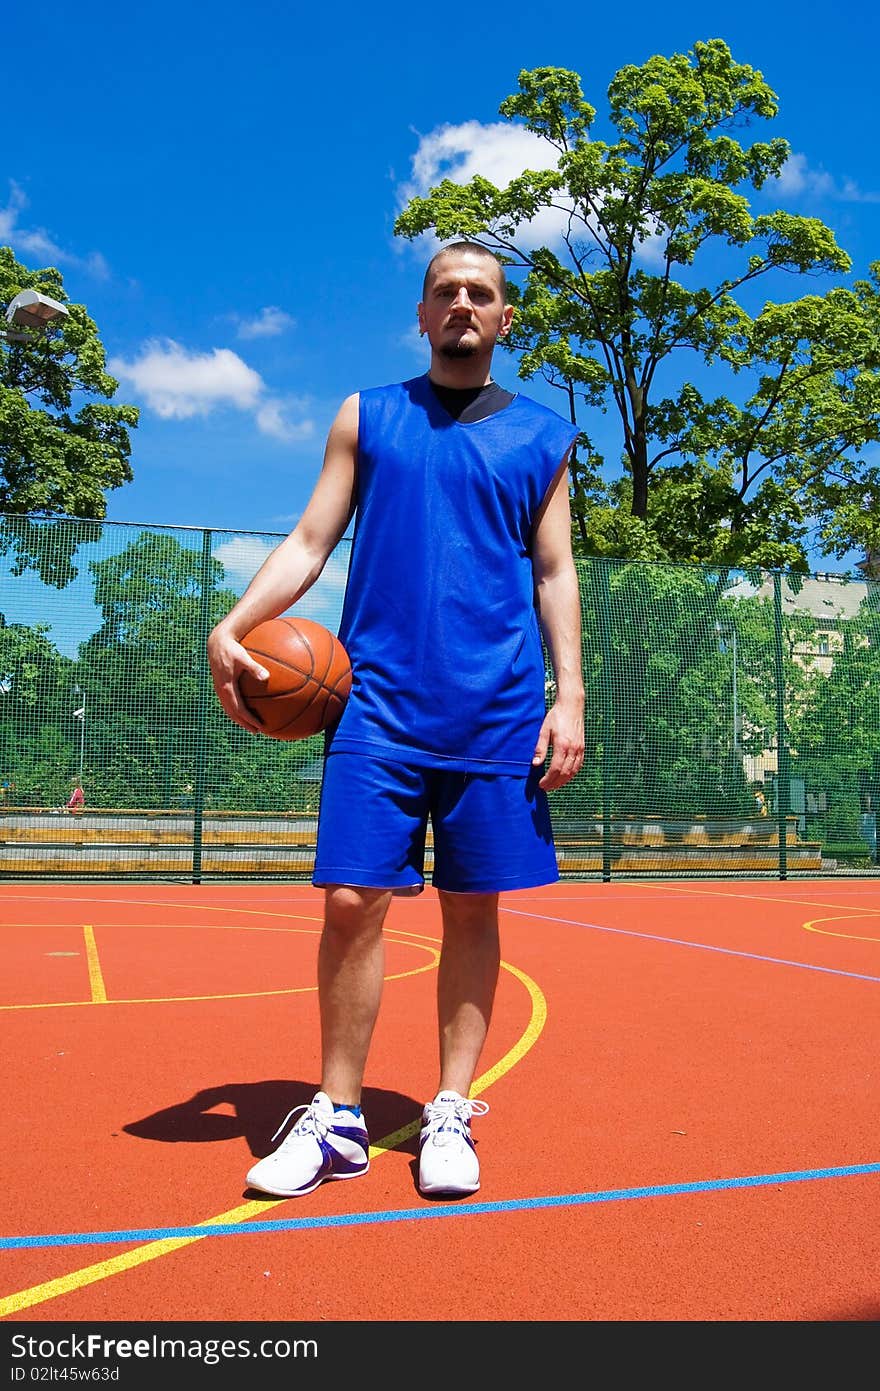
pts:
pixel 473 248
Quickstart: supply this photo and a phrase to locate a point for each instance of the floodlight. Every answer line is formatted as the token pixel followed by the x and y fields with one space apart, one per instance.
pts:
pixel 30 309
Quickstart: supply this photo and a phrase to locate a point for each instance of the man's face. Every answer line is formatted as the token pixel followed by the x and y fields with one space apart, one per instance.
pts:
pixel 463 311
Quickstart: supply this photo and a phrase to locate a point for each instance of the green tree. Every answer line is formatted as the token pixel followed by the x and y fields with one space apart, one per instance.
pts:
pixel 663 729
pixel 142 669
pixel 653 293
pixel 63 444
pixel 37 733
pixel 143 673
pixel 836 731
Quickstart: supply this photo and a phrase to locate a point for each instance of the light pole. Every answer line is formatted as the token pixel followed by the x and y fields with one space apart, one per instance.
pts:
pixel 727 631
pixel 80 715
pixel 6 683
pixel 29 313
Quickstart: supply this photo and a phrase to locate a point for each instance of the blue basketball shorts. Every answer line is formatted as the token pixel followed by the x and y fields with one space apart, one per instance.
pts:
pixel 491 832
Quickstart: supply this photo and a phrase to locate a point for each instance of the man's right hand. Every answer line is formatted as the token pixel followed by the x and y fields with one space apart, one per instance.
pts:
pixel 228 659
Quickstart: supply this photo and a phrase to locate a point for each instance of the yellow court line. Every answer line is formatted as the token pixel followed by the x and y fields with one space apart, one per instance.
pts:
pixel 128 926
pixel 101 997
pixel 96 979
pixel 528 1038
pixel 140 1255
pixel 812 926
pixel 697 892
pixel 102 1270
pixel 159 903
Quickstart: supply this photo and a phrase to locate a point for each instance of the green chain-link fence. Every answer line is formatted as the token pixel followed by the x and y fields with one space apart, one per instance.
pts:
pixel 733 719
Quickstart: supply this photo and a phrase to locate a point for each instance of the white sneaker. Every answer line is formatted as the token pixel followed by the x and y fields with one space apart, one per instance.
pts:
pixel 447 1156
pixel 324 1144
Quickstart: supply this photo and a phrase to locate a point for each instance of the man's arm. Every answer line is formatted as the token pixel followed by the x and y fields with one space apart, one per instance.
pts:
pixel 559 611
pixel 293 566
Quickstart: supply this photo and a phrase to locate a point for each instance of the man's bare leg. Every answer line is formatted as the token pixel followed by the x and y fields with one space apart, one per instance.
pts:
pixel 351 970
pixel 469 965
pixel 468 975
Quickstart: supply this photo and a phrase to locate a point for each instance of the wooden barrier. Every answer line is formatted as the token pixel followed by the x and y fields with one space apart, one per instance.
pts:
pixel 113 842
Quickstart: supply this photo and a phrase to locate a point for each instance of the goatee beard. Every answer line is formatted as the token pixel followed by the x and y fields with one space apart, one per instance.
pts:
pixel 456 351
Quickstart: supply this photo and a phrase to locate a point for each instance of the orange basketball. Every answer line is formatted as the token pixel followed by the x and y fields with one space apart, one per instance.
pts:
pixel 309 677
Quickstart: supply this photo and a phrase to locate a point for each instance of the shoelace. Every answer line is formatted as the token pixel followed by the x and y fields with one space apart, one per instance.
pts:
pixel 447 1119
pixel 312 1123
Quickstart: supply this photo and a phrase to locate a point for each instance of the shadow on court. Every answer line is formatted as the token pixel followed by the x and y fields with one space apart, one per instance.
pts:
pixel 254 1110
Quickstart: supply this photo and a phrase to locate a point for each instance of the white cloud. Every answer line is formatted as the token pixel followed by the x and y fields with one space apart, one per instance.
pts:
pixel 500 153
pixel 497 152
pixel 652 247
pixel 178 384
pixel 242 556
pixel 269 323
pixel 273 418
pixel 37 244
pixel 323 602
pixel 797 177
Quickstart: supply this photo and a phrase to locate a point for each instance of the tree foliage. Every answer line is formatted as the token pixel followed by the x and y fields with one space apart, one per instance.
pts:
pixel 36 733
pixel 647 301
pixel 836 730
pixel 63 443
pixel 143 666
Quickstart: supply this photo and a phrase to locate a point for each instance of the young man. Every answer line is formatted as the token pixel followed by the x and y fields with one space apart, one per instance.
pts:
pixel 461 559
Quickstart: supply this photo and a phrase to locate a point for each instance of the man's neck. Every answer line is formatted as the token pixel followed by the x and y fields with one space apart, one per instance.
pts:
pixel 461 374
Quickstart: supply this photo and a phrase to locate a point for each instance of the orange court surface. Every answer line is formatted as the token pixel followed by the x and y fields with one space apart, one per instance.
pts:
pixel 682 1079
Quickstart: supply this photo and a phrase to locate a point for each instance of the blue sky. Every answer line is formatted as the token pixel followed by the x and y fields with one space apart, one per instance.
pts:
pixel 218 185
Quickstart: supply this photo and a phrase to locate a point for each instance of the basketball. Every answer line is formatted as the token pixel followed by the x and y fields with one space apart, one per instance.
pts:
pixel 309 677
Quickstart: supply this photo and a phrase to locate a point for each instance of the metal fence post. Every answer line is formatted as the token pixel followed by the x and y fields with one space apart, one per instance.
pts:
pixel 783 770
pixel 204 679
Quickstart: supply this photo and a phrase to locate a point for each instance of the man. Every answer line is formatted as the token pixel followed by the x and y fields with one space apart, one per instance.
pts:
pixel 461 558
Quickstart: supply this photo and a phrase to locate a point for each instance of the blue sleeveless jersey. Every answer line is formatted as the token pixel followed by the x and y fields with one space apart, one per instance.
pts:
pixel 439 617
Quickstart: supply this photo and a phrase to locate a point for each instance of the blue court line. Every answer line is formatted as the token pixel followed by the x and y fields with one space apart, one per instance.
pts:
pixel 700 946
pixel 364 1219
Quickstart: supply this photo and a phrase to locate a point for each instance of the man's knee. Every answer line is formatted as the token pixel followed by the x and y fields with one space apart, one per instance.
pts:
pixel 475 912
pixel 349 908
